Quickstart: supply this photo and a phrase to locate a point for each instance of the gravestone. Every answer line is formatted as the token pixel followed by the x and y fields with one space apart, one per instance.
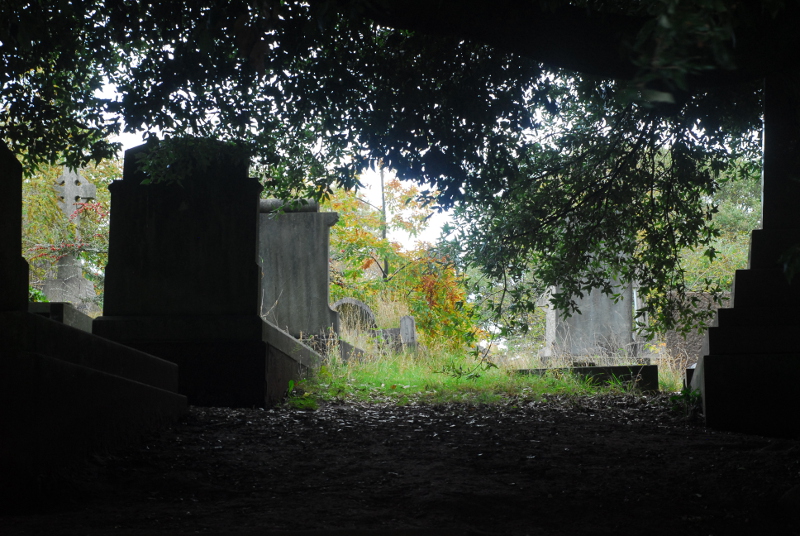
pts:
pixel 13 267
pixel 182 281
pixel 603 327
pixel 293 252
pixel 69 285
pixel 408 333
pixel 356 313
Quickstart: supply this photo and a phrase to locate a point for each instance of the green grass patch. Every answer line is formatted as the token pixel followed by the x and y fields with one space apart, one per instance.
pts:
pixel 408 378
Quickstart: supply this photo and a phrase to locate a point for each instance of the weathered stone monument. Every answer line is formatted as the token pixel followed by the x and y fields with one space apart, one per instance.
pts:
pixel 182 282
pixel 293 252
pixel 69 285
pixel 63 392
pixel 603 327
pixel 748 374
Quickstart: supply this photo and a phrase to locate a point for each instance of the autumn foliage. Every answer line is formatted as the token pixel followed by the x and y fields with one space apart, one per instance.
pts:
pixel 374 269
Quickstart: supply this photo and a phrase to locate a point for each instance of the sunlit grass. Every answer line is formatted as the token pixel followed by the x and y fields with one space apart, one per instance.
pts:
pixel 434 375
pixel 427 377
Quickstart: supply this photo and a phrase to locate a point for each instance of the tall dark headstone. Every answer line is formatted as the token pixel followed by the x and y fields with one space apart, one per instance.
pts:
pixel 182 282
pixel 13 267
pixel 748 374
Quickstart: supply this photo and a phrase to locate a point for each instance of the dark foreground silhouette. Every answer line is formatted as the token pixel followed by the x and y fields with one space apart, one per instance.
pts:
pixel 567 466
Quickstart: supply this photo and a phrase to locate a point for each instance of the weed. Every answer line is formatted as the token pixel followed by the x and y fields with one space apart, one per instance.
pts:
pixel 688 402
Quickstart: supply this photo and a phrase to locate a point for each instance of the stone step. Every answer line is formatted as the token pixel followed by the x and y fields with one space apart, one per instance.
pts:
pixel 763 288
pixel 735 339
pixel 750 393
pixel 758 316
pixel 24 332
pixel 767 247
pixel 53 413
pixel 63 312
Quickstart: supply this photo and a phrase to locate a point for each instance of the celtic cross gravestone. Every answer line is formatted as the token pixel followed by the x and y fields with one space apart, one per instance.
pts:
pixel 69 285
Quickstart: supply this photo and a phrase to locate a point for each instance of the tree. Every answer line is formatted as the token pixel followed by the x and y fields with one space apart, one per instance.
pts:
pixel 445 93
pixel 425 283
pixel 48 234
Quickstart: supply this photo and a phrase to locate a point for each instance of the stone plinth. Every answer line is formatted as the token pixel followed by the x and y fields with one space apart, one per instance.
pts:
pixel 294 257
pixel 70 286
pixel 182 281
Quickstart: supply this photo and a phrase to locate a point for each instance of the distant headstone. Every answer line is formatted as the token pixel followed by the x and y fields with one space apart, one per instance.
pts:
pixel 603 327
pixel 72 189
pixel 69 285
pixel 408 333
pixel 355 313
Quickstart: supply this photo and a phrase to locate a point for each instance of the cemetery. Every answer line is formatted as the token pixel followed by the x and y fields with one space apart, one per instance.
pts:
pixel 215 391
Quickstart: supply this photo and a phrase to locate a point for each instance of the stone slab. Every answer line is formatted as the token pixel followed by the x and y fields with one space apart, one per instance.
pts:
pixel 288 345
pixel 216 373
pixel 53 413
pixel 287 359
pixel 767 246
pixel 26 332
pixel 748 340
pixel 751 393
pixel 293 252
pixel 788 317
pixel 647 374
pixel 128 329
pixel 63 312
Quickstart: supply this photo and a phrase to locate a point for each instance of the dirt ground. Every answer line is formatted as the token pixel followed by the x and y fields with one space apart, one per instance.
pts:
pixel 614 465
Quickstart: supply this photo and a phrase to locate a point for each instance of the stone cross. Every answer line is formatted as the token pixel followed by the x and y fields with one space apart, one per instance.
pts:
pixel 69 284
pixel 73 189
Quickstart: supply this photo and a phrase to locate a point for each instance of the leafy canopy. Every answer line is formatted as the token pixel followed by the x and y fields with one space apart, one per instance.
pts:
pixel 581 176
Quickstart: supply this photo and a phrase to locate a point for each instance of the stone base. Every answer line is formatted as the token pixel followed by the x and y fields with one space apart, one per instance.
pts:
pixel 751 393
pixel 224 361
pixel 221 373
pixel 65 394
pixel 645 375
pixel 63 312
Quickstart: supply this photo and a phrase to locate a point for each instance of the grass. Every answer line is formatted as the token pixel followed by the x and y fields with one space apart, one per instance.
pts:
pixel 426 376
pixel 423 378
